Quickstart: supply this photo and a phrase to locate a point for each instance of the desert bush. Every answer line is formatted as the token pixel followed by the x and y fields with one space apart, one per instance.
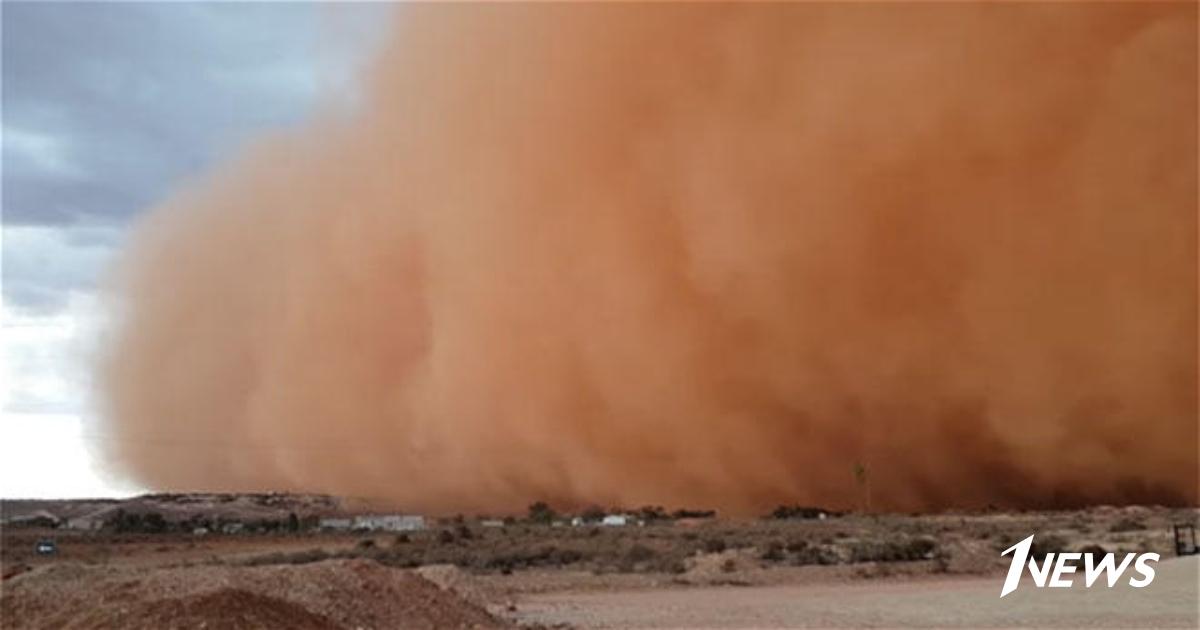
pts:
pixel 941 561
pixel 546 555
pixel 405 558
pixel 689 513
pixel 503 564
pixel 773 552
pixel 1042 545
pixel 640 553
pixel 366 543
pixel 822 555
pixel 1003 541
pixel 540 512
pixel 445 537
pixel 920 548
pixel 593 514
pixel 651 513
pixel 570 556
pixel 148 523
pixel 797 511
pixel 892 551
pixel 296 557
pixel 714 545
pixel 1086 549
pixel 401 539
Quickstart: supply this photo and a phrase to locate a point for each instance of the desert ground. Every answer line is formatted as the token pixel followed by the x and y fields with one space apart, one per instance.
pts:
pixel 799 568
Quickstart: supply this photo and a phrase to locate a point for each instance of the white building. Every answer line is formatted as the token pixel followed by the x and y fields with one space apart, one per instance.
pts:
pixel 38 516
pixel 86 523
pixel 335 523
pixel 390 522
pixel 615 520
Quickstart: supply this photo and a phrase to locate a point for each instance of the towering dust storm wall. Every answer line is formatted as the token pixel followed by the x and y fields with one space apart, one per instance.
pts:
pixel 693 254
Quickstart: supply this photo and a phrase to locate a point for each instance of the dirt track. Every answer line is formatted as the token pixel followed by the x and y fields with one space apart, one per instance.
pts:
pixel 1169 602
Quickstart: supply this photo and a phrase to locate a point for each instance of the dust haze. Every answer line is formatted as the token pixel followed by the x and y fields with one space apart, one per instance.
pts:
pixel 702 255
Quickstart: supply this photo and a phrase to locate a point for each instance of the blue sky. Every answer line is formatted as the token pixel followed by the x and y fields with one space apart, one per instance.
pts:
pixel 107 107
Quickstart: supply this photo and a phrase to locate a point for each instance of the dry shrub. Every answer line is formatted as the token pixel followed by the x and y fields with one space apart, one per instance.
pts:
pixel 1043 545
pixel 1127 524
pixel 820 554
pixel 773 552
pixel 296 557
pixel 893 550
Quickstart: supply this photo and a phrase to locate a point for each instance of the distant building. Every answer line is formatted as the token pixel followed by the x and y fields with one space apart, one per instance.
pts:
pixel 615 520
pixel 40 518
pixel 390 522
pixel 86 523
pixel 232 528
pixel 339 524
pixel 94 520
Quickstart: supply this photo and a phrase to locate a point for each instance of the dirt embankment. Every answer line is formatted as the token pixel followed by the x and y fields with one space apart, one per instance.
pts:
pixel 327 595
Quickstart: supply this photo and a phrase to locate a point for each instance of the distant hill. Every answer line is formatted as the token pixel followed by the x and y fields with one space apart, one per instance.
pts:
pixel 179 507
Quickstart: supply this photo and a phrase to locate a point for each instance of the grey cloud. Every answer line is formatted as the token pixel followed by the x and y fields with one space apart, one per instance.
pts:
pixel 43 265
pixel 108 106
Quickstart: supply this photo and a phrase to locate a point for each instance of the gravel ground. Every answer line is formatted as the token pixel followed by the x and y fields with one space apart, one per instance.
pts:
pixel 1169 602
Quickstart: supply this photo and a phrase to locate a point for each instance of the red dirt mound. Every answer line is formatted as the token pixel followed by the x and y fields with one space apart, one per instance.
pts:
pixel 321 595
pixel 227 608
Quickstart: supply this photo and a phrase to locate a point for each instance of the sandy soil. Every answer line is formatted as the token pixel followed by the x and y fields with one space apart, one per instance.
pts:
pixel 1169 602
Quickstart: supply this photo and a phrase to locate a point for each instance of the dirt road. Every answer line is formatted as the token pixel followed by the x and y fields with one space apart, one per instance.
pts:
pixel 1170 601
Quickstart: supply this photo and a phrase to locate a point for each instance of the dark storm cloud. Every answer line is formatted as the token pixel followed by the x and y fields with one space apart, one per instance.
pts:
pixel 108 106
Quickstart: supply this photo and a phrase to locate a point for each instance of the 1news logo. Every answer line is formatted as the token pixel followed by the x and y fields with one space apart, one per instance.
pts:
pixel 1063 564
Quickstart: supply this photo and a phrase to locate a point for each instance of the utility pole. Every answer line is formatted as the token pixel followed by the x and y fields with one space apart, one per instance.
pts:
pixel 863 478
